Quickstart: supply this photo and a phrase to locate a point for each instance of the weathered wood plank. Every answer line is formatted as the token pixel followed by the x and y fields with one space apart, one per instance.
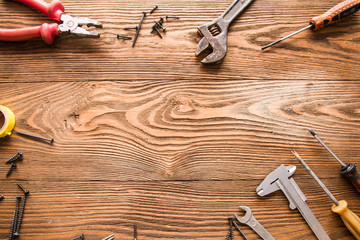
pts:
pixel 164 210
pixel 329 54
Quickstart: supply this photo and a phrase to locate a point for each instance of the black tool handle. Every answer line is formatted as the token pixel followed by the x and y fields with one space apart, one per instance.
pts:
pixel 352 174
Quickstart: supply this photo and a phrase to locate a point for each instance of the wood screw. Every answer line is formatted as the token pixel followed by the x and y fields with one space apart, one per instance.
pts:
pixel 16 157
pixel 13 165
pixel 123 37
pixel 16 233
pixel 129 28
pixel 160 25
pixel 14 221
pixel 138 29
pixel 50 140
pixel 135 232
pixel 79 237
pixel 157 31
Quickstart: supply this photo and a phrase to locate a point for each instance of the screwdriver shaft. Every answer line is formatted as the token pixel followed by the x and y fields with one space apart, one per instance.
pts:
pixel 326 147
pixel 315 177
pixel 282 39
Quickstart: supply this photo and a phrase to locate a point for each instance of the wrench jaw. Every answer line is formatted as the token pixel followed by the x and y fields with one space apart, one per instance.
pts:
pixel 218 44
pixel 246 217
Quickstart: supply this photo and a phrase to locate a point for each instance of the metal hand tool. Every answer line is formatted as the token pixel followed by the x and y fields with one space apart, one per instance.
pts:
pixel 55 11
pixel 335 14
pixel 251 221
pixel 347 170
pixel 280 179
pixel 215 33
pixel 351 221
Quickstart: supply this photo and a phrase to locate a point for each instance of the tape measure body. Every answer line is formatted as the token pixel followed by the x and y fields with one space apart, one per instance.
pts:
pixel 7 121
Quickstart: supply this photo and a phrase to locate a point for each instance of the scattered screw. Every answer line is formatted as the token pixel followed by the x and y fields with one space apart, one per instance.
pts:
pixel 123 37
pixel 37 137
pixel 79 237
pixel 231 227
pixel 138 29
pixel 157 31
pixel 16 157
pixel 129 28
pixel 241 232
pixel 14 221
pixel 22 188
pixel 160 25
pixel 26 192
pixel 135 232
pixel 13 165
pixel 153 9
pixel 167 17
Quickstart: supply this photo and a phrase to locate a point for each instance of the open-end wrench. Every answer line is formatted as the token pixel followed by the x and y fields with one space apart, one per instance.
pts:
pixel 280 179
pixel 215 33
pixel 251 221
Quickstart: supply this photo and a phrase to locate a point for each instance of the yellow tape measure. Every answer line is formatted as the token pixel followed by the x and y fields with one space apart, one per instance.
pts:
pixel 7 121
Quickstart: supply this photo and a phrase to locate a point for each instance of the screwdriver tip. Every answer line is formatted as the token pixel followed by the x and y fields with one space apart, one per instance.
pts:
pixel 312 132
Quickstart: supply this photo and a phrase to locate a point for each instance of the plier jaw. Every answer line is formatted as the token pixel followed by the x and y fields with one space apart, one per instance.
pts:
pixel 66 24
pixel 73 25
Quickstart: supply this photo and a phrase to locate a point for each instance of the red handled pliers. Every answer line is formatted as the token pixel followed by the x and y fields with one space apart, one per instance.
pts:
pixel 66 24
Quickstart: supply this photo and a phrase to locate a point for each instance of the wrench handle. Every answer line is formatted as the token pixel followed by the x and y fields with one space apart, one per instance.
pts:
pixel 235 9
pixel 53 10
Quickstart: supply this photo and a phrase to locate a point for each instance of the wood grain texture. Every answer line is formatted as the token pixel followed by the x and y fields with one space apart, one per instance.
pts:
pixel 175 157
pixel 331 53
pixel 149 136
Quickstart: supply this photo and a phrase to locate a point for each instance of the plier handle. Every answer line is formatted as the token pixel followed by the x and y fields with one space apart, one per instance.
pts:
pixel 66 24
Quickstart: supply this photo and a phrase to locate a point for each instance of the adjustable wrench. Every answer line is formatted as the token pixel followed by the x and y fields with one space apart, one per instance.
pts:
pixel 251 221
pixel 280 178
pixel 215 33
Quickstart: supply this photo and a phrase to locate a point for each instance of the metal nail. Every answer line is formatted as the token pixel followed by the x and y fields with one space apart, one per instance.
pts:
pixel 123 37
pixel 22 188
pixel 129 28
pixel 160 25
pixel 167 17
pixel 50 140
pixel 139 27
pixel 153 9
pixel 157 31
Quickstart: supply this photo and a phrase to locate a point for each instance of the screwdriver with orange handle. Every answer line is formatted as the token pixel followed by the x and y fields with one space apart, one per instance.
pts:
pixel 347 170
pixel 350 219
pixel 335 14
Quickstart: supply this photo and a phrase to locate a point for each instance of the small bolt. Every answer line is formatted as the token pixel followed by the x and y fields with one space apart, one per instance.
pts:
pixel 123 37
pixel 167 17
pixel 160 25
pixel 16 157
pixel 157 31
pixel 129 28
pixel 153 9
pixel 13 165
pixel 50 140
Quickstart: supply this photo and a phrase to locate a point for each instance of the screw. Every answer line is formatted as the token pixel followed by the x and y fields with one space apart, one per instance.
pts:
pixel 1 197
pixel 241 232
pixel 129 28
pixel 13 165
pixel 37 137
pixel 157 31
pixel 138 29
pixel 14 221
pixel 26 192
pixel 153 9
pixel 79 237
pixel 111 237
pixel 231 227
pixel 159 25
pixel 135 232
pixel 17 156
pixel 123 37
pixel 167 17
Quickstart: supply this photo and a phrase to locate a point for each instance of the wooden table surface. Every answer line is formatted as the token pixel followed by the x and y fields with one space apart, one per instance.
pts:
pixel 149 136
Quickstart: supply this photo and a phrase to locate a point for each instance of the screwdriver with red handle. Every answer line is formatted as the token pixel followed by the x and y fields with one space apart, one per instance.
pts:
pixel 335 14
pixel 347 169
